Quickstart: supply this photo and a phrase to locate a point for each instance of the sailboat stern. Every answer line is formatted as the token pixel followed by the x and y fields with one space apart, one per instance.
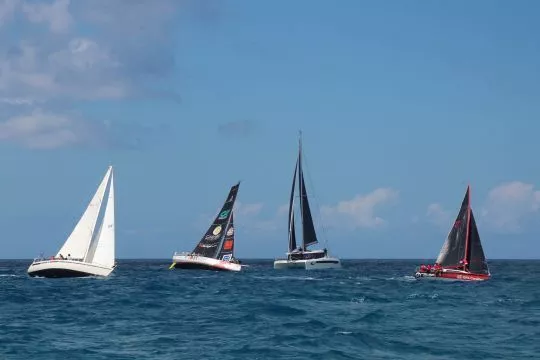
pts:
pixel 56 268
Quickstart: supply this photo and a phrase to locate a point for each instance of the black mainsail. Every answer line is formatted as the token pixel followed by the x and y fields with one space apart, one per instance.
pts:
pixel 309 236
pixel 292 231
pixel 213 240
pixel 463 244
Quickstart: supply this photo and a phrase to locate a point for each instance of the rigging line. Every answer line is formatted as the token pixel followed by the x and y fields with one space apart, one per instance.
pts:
pixel 317 205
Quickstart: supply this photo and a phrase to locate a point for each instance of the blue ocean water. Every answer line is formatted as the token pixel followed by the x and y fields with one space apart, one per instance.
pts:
pixel 372 309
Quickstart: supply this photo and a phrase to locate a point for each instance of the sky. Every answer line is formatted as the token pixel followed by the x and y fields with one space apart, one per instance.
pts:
pixel 401 105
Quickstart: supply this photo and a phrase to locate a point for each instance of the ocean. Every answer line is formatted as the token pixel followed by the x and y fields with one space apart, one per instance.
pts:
pixel 371 309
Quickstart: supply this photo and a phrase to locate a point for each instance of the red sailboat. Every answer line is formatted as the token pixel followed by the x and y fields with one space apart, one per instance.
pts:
pixel 462 256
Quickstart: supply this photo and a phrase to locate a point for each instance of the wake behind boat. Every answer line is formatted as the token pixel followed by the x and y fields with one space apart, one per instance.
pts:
pixel 462 256
pixel 215 251
pixel 301 257
pixel 86 252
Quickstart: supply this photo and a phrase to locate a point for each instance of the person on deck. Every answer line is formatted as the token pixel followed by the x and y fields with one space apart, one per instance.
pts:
pixel 423 268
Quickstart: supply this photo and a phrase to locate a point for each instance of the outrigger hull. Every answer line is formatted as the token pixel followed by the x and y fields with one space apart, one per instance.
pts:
pixel 195 262
pixel 453 275
pixel 67 268
pixel 309 264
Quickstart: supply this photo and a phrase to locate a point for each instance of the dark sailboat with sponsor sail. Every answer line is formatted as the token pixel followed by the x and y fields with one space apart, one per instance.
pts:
pixel 301 257
pixel 215 251
pixel 462 256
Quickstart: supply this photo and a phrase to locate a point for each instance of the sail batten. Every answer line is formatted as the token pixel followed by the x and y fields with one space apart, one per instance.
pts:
pixel 209 245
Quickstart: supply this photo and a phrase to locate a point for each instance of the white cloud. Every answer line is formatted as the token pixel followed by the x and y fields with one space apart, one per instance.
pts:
pixel 438 215
pixel 359 212
pixel 509 205
pixel 128 54
pixel 80 69
pixel 41 130
pixel 56 15
pixel 7 8
pixel 248 209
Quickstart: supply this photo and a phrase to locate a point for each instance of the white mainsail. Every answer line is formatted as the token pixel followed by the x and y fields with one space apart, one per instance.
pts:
pixel 77 244
pixel 103 247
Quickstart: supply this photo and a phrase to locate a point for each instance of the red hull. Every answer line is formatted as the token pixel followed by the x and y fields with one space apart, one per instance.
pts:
pixel 464 276
pixel 454 275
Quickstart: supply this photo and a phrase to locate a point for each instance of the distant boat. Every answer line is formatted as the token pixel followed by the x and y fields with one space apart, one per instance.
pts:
pixel 215 251
pixel 86 252
pixel 462 256
pixel 301 257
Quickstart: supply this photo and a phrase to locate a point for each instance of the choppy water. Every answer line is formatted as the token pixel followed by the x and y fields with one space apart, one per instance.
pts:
pixel 369 310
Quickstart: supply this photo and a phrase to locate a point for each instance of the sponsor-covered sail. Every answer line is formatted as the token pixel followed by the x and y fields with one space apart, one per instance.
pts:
pixel 209 245
pixel 226 252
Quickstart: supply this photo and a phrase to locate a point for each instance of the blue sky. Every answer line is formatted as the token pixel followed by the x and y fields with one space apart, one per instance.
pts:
pixel 402 104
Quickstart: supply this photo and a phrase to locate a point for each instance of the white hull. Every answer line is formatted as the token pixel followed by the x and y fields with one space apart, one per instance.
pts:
pixel 200 262
pixel 67 268
pixel 311 264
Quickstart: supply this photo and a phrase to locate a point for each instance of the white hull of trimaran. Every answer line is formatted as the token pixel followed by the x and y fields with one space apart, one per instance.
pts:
pixel 67 268
pixel 310 264
pixel 184 261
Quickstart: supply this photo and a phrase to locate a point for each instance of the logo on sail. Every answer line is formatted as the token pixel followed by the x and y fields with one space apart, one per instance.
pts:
pixel 227 257
pixel 230 232
pixel 217 230
pixel 223 214
pixel 228 245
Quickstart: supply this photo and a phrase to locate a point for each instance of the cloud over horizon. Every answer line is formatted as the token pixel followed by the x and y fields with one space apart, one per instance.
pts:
pixel 360 211
pixel 510 205
pixel 79 51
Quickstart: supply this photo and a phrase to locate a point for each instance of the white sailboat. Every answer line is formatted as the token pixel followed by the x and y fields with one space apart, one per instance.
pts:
pixel 301 257
pixel 89 250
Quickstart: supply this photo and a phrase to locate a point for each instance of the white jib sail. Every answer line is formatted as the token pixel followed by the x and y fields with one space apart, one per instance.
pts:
pixel 104 242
